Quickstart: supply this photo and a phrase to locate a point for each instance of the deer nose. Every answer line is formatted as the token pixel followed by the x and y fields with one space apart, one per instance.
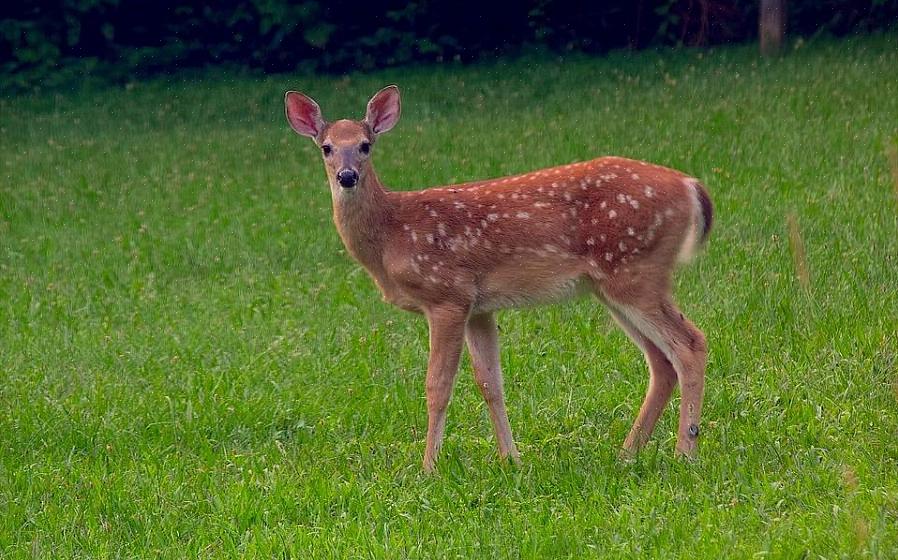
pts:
pixel 348 178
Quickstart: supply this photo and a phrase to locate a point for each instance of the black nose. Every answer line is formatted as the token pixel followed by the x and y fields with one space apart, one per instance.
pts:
pixel 348 178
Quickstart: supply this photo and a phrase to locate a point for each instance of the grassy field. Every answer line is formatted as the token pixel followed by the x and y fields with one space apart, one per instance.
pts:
pixel 191 366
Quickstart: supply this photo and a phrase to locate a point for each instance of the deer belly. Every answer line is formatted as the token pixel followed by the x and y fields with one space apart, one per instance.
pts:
pixel 517 289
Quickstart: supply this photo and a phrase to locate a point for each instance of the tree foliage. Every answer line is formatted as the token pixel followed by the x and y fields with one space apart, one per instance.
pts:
pixel 48 43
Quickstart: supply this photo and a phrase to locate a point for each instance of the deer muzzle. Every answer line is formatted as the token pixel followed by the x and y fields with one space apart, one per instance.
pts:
pixel 348 178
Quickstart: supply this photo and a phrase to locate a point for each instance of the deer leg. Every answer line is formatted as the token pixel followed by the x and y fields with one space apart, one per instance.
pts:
pixel 482 337
pixel 662 379
pixel 447 327
pixel 684 346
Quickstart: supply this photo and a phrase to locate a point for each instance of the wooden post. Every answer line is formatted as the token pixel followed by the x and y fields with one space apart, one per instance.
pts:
pixel 772 26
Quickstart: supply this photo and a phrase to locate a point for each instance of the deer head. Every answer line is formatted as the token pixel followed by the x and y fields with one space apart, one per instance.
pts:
pixel 345 144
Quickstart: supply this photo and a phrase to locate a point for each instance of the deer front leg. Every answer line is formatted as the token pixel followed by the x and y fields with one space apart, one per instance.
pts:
pixel 482 337
pixel 447 327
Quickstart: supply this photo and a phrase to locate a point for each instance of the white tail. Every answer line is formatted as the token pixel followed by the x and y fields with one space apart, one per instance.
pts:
pixel 700 225
pixel 611 226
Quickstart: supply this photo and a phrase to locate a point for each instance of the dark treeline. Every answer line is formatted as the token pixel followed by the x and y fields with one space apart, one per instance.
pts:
pixel 53 42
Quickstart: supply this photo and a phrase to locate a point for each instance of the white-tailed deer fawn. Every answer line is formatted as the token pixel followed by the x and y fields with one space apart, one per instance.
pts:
pixel 611 226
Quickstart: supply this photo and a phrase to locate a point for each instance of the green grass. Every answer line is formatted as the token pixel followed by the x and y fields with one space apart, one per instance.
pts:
pixel 191 366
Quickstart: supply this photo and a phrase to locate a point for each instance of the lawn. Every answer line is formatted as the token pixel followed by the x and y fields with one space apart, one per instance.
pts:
pixel 191 366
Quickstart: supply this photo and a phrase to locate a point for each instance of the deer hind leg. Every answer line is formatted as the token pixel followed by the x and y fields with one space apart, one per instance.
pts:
pixel 659 321
pixel 662 380
pixel 482 337
pixel 447 325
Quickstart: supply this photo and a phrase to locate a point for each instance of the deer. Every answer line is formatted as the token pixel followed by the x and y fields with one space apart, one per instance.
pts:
pixel 613 227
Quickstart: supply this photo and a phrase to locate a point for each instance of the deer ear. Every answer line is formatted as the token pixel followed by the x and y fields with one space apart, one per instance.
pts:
pixel 303 114
pixel 383 110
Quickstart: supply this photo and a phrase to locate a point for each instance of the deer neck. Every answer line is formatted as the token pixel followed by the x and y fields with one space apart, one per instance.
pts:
pixel 362 216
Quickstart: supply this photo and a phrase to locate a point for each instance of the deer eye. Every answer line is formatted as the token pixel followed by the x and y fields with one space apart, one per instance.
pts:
pixel 365 147
pixel 326 149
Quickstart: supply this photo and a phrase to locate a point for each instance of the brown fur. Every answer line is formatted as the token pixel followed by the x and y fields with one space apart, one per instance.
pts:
pixel 611 226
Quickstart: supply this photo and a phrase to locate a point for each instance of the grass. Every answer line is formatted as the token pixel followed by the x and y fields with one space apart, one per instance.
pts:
pixel 191 366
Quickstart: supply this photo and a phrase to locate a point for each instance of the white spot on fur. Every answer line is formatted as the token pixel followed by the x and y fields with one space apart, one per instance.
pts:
pixel 612 214
pixel 429 238
pixel 522 215
pixel 492 217
pixel 649 191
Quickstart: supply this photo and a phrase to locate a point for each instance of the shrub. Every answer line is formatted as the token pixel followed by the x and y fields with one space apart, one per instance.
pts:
pixel 48 43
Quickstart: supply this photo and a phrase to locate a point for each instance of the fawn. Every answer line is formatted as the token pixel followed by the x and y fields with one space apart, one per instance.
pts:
pixel 611 226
